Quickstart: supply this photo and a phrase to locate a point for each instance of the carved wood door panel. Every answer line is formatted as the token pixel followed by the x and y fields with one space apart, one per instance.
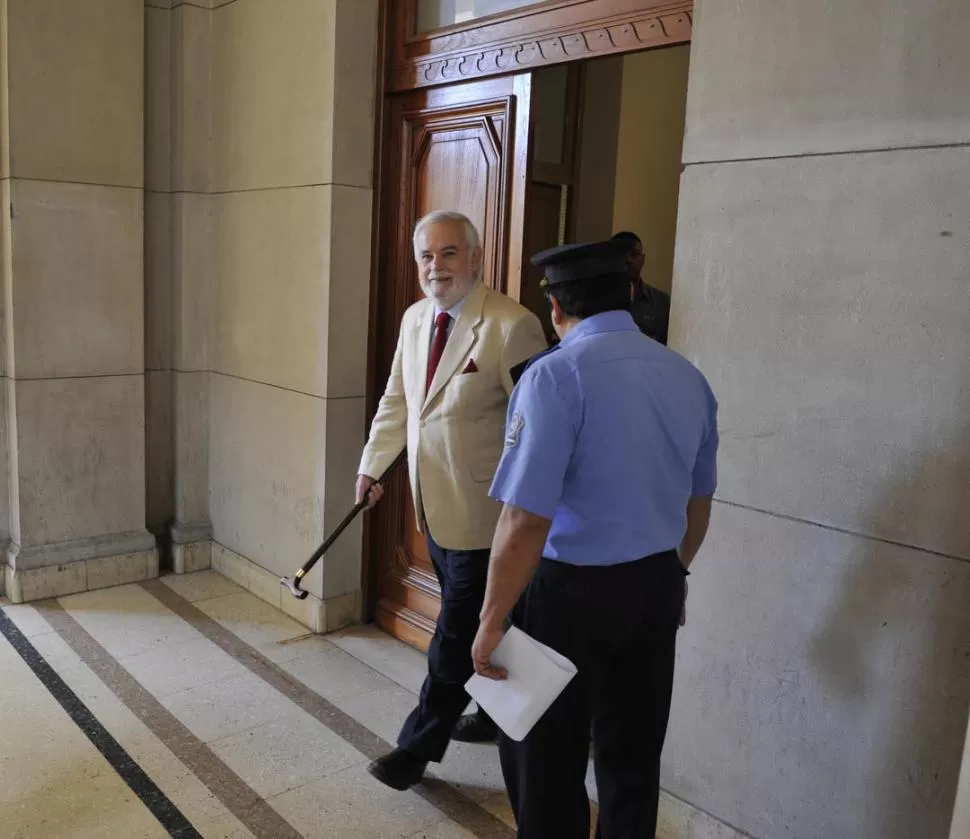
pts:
pixel 465 148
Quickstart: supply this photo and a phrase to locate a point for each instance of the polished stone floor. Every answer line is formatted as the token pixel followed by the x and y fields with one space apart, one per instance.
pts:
pixel 187 707
pixel 226 718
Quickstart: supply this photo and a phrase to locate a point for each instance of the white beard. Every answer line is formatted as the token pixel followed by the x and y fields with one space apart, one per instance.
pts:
pixel 455 294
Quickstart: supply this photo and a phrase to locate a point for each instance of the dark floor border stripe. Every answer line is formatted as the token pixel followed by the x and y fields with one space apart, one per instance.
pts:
pixel 235 794
pixel 160 806
pixel 439 793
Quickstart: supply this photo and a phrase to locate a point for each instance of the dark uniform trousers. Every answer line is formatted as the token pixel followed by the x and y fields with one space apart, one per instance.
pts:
pixel 462 576
pixel 618 625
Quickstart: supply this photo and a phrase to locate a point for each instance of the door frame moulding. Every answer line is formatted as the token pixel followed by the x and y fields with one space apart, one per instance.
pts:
pixel 526 38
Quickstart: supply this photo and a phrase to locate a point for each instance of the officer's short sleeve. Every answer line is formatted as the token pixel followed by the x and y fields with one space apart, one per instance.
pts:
pixel 704 478
pixel 539 441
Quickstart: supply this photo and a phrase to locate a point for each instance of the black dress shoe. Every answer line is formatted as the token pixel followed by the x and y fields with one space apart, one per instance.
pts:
pixel 399 770
pixel 471 728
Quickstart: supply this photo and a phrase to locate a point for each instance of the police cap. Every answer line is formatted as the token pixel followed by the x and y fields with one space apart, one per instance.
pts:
pixel 571 263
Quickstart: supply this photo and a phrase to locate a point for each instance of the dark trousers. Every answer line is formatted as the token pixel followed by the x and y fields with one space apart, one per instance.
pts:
pixel 618 625
pixel 462 576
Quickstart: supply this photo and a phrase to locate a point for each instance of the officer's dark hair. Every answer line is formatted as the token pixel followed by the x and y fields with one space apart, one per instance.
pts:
pixel 628 234
pixel 584 298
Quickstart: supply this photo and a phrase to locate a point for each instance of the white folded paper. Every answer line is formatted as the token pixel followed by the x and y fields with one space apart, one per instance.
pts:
pixel 537 675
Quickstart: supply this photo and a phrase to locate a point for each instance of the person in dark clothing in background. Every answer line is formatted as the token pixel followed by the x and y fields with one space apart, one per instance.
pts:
pixel 651 306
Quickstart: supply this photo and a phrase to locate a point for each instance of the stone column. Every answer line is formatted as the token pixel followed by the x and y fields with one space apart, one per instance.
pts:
pixel 178 276
pixel 292 157
pixel 821 284
pixel 73 305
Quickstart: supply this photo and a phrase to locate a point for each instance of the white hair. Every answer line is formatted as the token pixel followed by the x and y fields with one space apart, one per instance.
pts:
pixel 438 216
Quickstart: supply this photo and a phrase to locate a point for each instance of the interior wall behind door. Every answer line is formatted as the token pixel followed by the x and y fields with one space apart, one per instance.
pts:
pixel 650 141
pixel 599 136
pixel 629 153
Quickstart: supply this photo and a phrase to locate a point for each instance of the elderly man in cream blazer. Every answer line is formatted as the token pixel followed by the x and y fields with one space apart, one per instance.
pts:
pixel 446 399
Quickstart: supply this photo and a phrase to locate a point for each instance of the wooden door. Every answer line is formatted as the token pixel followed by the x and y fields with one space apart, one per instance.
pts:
pixel 462 147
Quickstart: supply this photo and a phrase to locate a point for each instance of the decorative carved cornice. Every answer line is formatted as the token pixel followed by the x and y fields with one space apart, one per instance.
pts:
pixel 624 35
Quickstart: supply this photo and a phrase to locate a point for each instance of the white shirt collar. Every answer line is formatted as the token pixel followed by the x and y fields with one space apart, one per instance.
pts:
pixel 454 311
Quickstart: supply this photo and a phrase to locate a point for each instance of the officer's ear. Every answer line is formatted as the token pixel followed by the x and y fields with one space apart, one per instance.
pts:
pixel 556 314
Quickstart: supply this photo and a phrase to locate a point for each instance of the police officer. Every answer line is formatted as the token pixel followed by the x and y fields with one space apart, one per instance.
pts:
pixel 651 306
pixel 606 479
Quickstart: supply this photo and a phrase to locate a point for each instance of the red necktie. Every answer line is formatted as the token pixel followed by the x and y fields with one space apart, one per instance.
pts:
pixel 438 347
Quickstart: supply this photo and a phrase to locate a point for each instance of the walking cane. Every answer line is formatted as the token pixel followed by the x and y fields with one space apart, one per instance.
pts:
pixel 293 583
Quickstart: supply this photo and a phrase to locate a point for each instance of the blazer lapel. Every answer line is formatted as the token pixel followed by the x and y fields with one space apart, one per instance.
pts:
pixel 463 336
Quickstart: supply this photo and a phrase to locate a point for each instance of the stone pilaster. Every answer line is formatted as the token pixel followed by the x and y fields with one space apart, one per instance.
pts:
pixel 73 302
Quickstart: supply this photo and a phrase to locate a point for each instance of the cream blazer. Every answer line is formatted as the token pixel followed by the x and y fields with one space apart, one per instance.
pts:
pixel 455 433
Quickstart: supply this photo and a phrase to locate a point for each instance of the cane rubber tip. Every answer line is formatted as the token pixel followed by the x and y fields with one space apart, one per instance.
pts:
pixel 291 584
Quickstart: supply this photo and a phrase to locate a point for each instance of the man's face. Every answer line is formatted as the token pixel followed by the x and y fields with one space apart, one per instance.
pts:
pixel 635 260
pixel 447 267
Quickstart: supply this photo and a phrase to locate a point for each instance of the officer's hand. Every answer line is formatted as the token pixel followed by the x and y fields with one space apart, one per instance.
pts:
pixel 683 609
pixel 485 643
pixel 367 486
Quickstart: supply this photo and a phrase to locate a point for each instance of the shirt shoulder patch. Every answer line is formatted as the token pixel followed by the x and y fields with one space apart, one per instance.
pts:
pixel 515 427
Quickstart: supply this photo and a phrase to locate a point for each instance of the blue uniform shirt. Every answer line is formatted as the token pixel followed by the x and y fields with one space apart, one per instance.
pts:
pixel 609 436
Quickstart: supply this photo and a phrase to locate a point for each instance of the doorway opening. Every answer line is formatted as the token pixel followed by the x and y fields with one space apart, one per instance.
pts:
pixel 567 153
pixel 606 157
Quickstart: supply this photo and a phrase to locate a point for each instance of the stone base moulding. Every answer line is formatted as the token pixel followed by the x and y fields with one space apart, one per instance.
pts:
pixel 191 547
pixel 319 616
pixel 195 556
pixel 30 557
pixel 679 820
pixel 24 585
